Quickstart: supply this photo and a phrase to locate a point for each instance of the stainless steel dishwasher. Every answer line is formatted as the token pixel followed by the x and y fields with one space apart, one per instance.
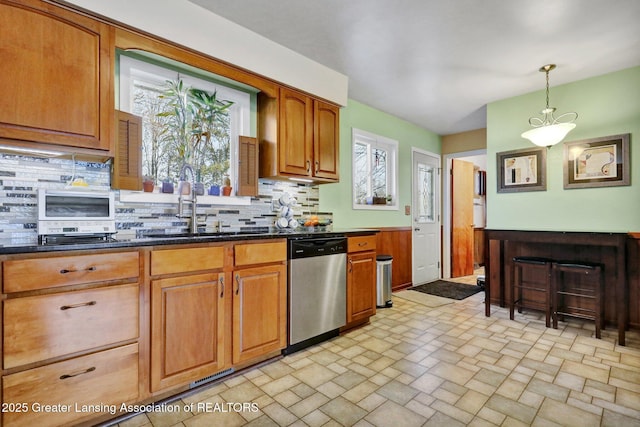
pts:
pixel 317 290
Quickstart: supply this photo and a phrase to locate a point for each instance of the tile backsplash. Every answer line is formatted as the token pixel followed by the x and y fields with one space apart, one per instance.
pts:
pixel 21 176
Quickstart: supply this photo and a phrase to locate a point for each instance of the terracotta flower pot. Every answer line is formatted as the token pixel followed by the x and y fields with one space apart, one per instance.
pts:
pixel 147 186
pixel 184 188
pixel 226 191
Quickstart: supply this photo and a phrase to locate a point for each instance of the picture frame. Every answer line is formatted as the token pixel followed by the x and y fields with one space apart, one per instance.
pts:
pixel 522 170
pixel 597 162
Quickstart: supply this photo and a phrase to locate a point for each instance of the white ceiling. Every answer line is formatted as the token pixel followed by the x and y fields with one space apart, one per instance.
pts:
pixel 437 63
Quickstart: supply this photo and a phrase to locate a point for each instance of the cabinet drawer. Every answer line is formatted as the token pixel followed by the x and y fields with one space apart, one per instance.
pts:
pixel 170 261
pixel 41 327
pixel 361 243
pixel 260 253
pixel 105 380
pixel 41 273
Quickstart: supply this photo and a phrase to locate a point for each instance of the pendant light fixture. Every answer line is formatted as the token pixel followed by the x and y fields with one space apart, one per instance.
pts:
pixel 549 130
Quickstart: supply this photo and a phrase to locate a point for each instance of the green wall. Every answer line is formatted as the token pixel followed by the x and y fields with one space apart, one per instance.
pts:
pixel 606 105
pixel 336 198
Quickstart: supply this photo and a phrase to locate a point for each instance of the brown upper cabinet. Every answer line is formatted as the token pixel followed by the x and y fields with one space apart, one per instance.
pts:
pixel 56 73
pixel 299 137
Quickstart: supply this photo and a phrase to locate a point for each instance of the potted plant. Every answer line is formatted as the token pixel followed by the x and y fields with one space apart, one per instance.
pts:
pixel 226 189
pixel 148 183
pixel 193 118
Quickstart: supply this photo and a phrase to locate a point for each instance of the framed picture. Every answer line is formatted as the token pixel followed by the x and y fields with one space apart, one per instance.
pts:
pixel 522 170
pixel 597 162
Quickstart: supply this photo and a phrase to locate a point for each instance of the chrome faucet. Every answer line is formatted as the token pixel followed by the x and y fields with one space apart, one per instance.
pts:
pixel 193 225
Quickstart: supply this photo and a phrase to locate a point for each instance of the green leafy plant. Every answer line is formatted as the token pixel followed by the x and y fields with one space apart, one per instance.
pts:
pixel 195 128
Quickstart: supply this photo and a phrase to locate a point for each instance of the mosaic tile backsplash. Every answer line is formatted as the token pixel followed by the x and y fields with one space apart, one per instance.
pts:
pixel 21 176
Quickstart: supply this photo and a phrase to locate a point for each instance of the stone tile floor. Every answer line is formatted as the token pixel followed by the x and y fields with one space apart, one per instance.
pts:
pixel 415 365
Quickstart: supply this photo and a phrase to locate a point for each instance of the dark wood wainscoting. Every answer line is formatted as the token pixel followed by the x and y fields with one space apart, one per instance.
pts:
pixel 633 278
pixel 396 241
pixel 609 249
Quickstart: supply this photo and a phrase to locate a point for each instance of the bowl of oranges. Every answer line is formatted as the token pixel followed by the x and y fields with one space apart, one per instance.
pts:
pixel 316 223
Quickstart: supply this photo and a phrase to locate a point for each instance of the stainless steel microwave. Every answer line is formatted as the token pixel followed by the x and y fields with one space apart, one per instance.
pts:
pixel 73 212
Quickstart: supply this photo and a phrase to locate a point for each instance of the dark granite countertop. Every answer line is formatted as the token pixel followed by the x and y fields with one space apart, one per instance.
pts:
pixel 182 238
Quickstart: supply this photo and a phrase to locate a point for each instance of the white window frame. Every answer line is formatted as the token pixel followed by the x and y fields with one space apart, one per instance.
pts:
pixel 131 69
pixel 359 136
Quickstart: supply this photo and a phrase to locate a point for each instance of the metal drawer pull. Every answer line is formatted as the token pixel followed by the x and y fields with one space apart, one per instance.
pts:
pixel 65 376
pixel 221 287
pixel 65 271
pixel 362 244
pixel 308 166
pixel 317 166
pixel 81 304
pixel 238 282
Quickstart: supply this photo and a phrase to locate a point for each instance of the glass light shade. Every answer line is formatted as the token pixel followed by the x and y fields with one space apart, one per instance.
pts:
pixel 546 136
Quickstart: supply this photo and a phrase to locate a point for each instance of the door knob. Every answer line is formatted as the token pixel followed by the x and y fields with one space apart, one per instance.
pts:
pixel 416 229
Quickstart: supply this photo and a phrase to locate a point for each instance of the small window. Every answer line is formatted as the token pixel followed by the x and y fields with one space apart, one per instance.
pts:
pixel 375 160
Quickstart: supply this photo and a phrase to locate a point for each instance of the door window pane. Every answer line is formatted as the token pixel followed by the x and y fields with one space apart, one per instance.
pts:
pixel 426 193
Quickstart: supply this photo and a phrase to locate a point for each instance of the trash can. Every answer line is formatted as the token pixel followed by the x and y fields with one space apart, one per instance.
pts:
pixel 383 281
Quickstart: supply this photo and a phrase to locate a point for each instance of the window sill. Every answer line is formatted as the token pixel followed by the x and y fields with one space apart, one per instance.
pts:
pixel 376 207
pixel 142 197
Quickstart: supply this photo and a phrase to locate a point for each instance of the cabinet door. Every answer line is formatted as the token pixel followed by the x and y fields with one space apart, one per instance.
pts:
pixel 295 145
pixel 326 140
pixel 56 76
pixel 187 321
pixel 361 286
pixel 259 311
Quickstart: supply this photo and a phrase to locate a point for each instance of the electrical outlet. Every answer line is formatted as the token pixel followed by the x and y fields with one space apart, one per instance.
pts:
pixel 407 210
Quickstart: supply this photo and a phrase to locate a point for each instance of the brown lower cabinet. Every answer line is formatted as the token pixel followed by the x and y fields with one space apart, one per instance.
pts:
pixel 187 327
pixel 259 311
pixel 217 308
pixel 70 336
pixel 361 279
pixel 64 392
pixel 259 294
pixel 187 314
pixel 116 327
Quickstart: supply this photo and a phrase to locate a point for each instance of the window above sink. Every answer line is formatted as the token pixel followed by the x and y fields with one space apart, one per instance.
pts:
pixel 187 115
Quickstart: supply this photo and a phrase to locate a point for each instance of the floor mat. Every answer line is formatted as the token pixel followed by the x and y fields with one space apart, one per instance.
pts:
pixel 452 290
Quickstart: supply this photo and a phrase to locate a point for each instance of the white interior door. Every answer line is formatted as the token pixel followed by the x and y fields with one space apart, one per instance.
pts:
pixel 426 217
